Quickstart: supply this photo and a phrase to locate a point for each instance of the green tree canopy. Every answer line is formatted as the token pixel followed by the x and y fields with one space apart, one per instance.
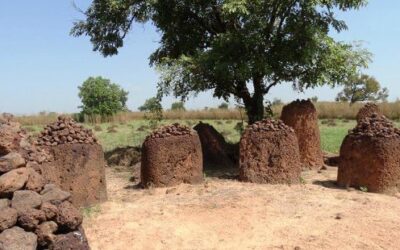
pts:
pixel 101 97
pixel 150 105
pixel 362 88
pixel 223 105
pixel 178 106
pixel 239 48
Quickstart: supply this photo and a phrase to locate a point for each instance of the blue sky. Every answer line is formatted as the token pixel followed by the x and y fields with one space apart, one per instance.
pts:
pixel 41 66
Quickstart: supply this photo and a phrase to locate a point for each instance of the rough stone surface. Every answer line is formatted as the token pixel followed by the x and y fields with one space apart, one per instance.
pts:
pixel 53 194
pixel 9 137
pixel 68 217
pixel 5 203
pixel 170 156
pixel 303 118
pixel 29 219
pixel 11 161
pixel 8 218
pixel 370 156
pixel 65 131
pixel 13 181
pixel 45 233
pixel 26 199
pixel 215 148
pixel 35 182
pixel 17 239
pixel 269 153
pixel 367 110
pixel 20 202
pixel 71 241
pixel 49 210
pixel 79 169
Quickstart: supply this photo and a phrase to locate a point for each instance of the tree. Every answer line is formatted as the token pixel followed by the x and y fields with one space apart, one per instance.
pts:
pixel 101 97
pixel 150 104
pixel 153 111
pixel 277 102
pixel 362 88
pixel 178 106
pixel 239 48
pixel 223 105
pixel 314 99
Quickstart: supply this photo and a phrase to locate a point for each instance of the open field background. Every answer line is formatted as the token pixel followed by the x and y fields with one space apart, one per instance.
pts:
pixel 133 133
pixel 131 128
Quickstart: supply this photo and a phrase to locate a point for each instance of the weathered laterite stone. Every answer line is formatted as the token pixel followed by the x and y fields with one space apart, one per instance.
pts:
pixel 370 156
pixel 302 116
pixel 269 153
pixel 170 156
pixel 368 110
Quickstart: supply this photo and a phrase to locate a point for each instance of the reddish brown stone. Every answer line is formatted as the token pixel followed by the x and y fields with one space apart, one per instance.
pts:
pixel 30 219
pixel 68 217
pixel 370 156
pixel 303 118
pixel 79 169
pixel 8 218
pixel 214 147
pixel 367 110
pixel 269 153
pixel 71 241
pixel 49 210
pixel 170 156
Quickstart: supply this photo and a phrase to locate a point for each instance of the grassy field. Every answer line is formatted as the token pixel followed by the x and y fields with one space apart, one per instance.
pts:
pixel 133 133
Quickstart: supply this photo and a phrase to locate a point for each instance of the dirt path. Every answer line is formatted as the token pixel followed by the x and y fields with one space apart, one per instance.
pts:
pixel 226 214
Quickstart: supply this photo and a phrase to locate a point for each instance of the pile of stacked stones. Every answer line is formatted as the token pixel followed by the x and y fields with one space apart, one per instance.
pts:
pixel 269 153
pixel 33 213
pixel 65 131
pixel 171 155
pixel 368 110
pixel 173 130
pixel 269 125
pixel 370 156
pixel 375 125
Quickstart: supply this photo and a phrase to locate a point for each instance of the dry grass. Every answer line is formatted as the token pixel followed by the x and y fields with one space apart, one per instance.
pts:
pixel 326 110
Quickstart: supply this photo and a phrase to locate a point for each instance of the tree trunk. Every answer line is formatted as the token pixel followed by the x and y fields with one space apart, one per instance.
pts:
pixel 255 109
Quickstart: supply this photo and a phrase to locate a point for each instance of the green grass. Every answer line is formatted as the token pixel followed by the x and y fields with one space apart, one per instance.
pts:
pixel 134 132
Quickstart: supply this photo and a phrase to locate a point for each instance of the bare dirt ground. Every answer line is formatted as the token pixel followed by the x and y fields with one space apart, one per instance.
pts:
pixel 223 213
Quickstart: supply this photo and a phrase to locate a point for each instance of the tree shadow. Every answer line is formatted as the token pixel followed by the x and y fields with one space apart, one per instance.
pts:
pixel 332 184
pixel 225 173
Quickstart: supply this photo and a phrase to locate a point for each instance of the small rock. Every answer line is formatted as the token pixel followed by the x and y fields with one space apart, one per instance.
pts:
pixel 10 162
pixel 4 203
pixel 26 199
pixel 17 239
pixel 49 210
pixel 71 241
pixel 13 181
pixel 338 216
pixel 68 216
pixel 8 218
pixel 53 194
pixel 36 182
pixel 31 218
pixel 45 233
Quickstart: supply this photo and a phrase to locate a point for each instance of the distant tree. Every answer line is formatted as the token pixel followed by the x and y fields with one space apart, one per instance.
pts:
pixel 223 105
pixel 178 106
pixel 237 48
pixel 314 99
pixel 153 111
pixel 101 97
pixel 150 104
pixel 277 102
pixel 362 88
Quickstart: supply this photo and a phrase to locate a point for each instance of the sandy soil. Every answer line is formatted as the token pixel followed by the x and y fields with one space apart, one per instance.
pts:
pixel 223 213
